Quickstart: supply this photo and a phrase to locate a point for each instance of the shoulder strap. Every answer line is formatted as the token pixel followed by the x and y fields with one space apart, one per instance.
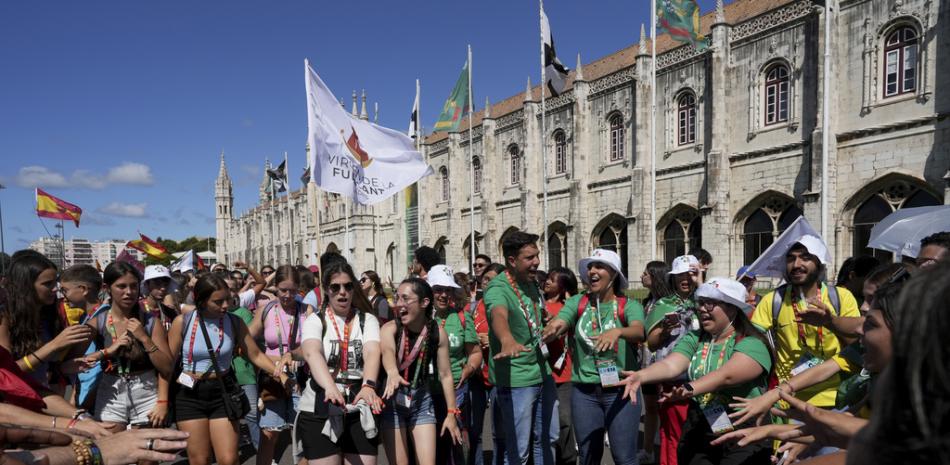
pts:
pixel 362 318
pixel 294 328
pixel 835 299
pixel 267 308
pixel 461 314
pixel 621 304
pixel 582 305
pixel 777 297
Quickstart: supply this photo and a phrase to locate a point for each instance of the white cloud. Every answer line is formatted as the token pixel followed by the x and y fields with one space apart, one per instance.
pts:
pixel 134 210
pixel 127 173
pixel 131 173
pixel 40 176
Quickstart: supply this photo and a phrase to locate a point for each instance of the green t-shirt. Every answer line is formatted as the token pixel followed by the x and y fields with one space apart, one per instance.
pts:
pixel 458 335
pixel 584 360
pixel 243 370
pixel 529 368
pixel 692 346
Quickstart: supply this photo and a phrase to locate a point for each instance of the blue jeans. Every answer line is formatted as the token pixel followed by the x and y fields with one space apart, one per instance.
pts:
pixel 597 410
pixel 253 416
pixel 527 418
pixel 478 402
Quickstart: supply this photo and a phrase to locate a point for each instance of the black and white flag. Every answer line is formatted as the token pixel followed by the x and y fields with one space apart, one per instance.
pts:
pixel 555 72
pixel 278 177
pixel 414 117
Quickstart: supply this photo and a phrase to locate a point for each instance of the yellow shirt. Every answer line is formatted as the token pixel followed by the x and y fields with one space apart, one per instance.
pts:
pixel 789 348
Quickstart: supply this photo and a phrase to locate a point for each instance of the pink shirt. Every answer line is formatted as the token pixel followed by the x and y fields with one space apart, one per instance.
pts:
pixel 277 319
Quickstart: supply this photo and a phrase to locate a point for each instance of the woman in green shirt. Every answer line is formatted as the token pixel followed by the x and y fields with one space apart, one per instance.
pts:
pixel 728 357
pixel 464 353
pixel 606 328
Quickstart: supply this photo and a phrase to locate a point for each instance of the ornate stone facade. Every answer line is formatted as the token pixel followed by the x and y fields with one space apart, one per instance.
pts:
pixel 752 164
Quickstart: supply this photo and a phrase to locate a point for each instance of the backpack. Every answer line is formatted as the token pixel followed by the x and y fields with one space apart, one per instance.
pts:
pixel 779 295
pixel 621 304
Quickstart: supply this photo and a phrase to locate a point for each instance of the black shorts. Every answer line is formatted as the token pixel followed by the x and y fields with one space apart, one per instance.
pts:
pixel 205 400
pixel 313 444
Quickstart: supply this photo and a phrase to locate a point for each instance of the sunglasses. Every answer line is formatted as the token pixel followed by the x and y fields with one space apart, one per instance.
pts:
pixel 363 279
pixel 335 287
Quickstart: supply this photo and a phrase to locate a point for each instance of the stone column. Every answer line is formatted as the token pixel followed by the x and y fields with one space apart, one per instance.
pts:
pixel 581 225
pixel 531 167
pixel 639 242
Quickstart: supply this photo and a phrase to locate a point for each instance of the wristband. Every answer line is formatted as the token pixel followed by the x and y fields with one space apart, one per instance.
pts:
pixel 161 401
pixel 369 383
pixel 26 360
pixel 95 452
pixel 688 387
pixel 454 411
pixel 72 423
pixel 790 388
pixel 79 413
pixel 54 422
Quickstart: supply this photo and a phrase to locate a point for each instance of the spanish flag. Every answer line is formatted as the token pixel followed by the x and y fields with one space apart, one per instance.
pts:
pixel 149 247
pixel 48 206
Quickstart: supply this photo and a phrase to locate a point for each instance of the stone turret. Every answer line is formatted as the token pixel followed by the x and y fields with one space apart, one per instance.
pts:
pixel 224 202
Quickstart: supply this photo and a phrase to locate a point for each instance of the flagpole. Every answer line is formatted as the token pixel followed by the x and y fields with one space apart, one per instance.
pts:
pixel 471 165
pixel 290 218
pixel 346 227
pixel 544 158
pixel 62 241
pixel 418 183
pixel 653 130
pixel 273 222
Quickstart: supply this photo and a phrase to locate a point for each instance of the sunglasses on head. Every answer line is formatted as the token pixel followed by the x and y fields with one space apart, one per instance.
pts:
pixel 335 287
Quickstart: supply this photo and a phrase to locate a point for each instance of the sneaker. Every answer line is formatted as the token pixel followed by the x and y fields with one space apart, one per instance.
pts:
pixel 644 457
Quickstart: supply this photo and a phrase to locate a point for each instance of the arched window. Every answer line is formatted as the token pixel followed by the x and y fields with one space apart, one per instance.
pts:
pixel 891 198
pixel 764 225
pixel 776 94
pixel 614 237
pixel 444 178
pixel 900 62
pixel 557 245
pixel 684 232
pixel 477 173
pixel 686 117
pixel 514 175
pixel 440 248
pixel 616 137
pixel 560 153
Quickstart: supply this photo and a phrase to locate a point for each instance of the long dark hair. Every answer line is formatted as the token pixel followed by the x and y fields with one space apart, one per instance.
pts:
pixel 565 279
pixel 659 279
pixel 24 314
pixel 206 285
pixel 360 302
pixel 911 419
pixel 422 290
pixel 377 283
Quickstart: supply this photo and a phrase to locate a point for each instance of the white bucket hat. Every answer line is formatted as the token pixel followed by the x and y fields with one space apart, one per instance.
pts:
pixel 815 246
pixel 725 290
pixel 607 257
pixel 442 275
pixel 156 272
pixel 684 264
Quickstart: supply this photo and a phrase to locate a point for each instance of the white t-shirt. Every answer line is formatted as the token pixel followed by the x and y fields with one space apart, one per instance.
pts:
pixel 246 299
pixel 313 329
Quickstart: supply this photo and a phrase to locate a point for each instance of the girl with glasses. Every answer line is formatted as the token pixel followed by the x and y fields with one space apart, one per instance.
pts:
pixel 341 347
pixel 373 288
pixel 279 322
pixel 414 346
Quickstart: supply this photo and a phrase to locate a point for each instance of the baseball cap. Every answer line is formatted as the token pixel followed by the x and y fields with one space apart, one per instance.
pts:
pixel 442 275
pixel 684 264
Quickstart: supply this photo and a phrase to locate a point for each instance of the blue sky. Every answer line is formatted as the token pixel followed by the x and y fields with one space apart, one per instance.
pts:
pixel 123 107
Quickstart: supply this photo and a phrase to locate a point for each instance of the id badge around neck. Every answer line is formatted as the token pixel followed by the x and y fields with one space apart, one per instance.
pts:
pixel 718 418
pixel 609 374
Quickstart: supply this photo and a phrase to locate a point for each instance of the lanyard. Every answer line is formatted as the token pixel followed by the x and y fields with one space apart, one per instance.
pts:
pixel 533 319
pixel 290 324
pixel 419 350
pixel 344 340
pixel 122 368
pixel 596 319
pixel 802 338
pixel 194 332
pixel 704 368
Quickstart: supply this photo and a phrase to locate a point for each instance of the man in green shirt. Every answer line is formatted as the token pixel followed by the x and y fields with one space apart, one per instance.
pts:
pixel 525 406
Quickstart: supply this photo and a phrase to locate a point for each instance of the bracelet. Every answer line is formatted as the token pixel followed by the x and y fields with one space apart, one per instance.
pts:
pixel 369 383
pixel 83 453
pixel 152 349
pixel 790 388
pixel 104 354
pixel 161 401
pixel 54 422
pixel 29 366
pixel 79 413
pixel 454 411
pixel 72 423
pixel 96 453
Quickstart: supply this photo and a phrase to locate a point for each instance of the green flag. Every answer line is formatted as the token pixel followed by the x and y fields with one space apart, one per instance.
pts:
pixel 680 18
pixel 456 106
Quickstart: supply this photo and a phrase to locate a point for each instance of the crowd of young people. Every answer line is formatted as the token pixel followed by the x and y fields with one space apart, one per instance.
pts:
pixel 130 366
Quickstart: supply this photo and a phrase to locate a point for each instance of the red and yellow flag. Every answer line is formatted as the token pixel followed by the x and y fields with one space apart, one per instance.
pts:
pixel 148 246
pixel 48 206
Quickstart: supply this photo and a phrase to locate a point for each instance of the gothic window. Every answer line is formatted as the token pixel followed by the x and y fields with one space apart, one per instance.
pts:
pixel 686 118
pixel 764 225
pixel 440 248
pixel 444 178
pixel 614 237
pixel 684 232
pixel 477 173
pixel 557 245
pixel 776 94
pixel 616 137
pixel 891 198
pixel 514 175
pixel 560 153
pixel 900 62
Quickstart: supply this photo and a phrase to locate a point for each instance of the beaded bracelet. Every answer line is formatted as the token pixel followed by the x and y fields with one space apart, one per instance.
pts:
pixel 83 453
pixel 95 452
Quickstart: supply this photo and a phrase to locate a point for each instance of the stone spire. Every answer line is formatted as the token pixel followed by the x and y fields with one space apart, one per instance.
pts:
pixel 643 39
pixel 579 69
pixel 265 183
pixel 363 115
pixel 720 12
pixel 223 169
pixel 527 91
pixel 487 108
pixel 353 112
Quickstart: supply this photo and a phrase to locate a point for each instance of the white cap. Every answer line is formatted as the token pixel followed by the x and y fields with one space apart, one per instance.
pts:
pixel 156 272
pixel 684 264
pixel 607 257
pixel 442 275
pixel 816 247
pixel 725 290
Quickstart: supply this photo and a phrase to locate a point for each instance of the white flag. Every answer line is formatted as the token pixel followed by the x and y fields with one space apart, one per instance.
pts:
pixel 772 261
pixel 414 116
pixel 555 72
pixel 184 263
pixel 352 157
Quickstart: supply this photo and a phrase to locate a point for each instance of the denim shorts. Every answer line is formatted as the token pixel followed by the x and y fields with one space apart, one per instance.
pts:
pixel 420 411
pixel 126 399
pixel 279 414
